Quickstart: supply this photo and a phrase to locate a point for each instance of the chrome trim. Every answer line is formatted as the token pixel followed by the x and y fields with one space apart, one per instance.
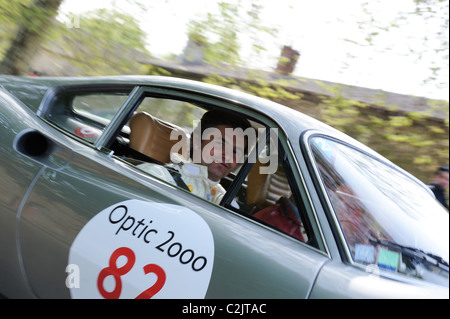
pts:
pixel 306 139
pixel 325 249
pixel 45 102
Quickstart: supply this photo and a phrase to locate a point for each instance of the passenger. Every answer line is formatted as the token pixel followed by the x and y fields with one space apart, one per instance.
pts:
pixel 214 153
pixel 439 183
pixel 284 216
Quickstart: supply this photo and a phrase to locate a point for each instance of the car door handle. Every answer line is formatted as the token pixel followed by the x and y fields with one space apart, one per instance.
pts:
pixel 42 149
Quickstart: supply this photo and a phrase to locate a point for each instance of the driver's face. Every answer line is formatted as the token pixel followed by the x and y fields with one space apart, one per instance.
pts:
pixel 222 152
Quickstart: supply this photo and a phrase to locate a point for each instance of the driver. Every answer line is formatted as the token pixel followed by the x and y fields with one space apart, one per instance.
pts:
pixel 216 150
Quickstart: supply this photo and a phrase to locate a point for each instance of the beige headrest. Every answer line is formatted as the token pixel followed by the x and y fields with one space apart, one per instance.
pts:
pixel 151 136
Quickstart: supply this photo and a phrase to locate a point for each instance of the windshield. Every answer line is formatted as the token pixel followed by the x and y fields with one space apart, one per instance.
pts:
pixel 388 219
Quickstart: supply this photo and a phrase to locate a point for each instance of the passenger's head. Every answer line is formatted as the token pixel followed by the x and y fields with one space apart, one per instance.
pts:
pixel 219 142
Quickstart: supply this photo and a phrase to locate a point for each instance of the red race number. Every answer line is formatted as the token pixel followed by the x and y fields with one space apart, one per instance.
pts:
pixel 118 272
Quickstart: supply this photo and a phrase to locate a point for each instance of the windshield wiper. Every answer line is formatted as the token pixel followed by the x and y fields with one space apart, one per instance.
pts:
pixel 415 253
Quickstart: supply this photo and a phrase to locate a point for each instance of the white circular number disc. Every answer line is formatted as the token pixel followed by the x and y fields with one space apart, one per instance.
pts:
pixel 137 248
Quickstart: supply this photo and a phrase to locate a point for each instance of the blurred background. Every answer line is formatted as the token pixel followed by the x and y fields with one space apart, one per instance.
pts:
pixel 377 70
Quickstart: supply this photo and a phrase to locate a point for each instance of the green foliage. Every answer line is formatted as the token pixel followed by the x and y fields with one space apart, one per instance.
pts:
pixel 219 35
pixel 154 70
pixel 256 86
pixel 107 42
pixel 216 35
pixel 337 110
pixel 24 12
pixel 400 121
pixel 31 15
pixel 411 140
pixel 425 14
pixel 114 27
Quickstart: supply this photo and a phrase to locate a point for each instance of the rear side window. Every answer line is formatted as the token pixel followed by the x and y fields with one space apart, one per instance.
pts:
pixel 84 113
pixel 102 106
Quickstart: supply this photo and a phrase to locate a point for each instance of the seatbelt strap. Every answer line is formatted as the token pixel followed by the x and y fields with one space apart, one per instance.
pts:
pixel 177 177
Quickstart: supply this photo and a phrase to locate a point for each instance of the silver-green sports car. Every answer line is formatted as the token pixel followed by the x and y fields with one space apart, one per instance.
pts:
pixel 308 212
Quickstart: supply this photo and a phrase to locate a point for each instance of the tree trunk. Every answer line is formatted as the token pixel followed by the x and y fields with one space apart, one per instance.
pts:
pixel 28 37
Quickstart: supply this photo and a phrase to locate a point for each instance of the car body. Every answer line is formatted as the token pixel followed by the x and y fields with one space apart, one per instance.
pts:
pixel 80 219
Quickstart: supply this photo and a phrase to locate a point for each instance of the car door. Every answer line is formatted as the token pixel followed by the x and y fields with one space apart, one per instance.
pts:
pixel 251 258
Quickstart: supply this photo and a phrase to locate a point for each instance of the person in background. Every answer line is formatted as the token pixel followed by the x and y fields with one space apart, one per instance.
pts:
pixel 439 184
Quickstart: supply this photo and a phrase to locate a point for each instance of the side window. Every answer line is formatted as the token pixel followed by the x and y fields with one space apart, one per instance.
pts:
pixel 101 106
pixel 84 114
